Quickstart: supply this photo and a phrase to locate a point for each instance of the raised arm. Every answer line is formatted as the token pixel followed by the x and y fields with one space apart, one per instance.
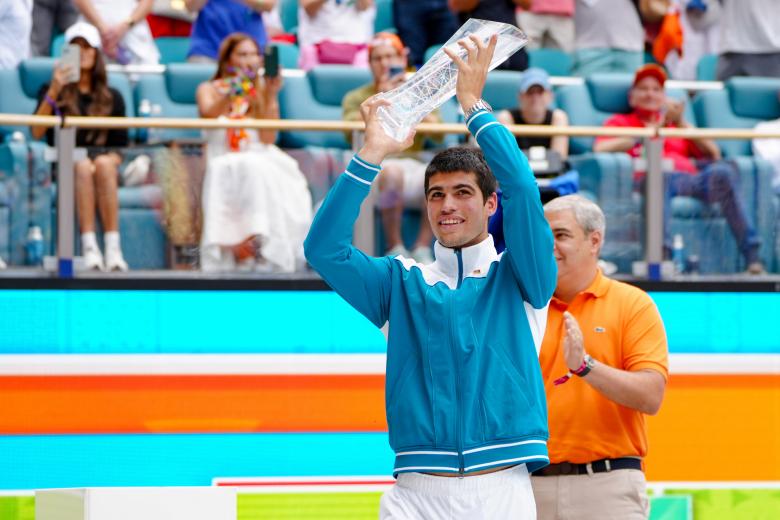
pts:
pixel 362 280
pixel 529 241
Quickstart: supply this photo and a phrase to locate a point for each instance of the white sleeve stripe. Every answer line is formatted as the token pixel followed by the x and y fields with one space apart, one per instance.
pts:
pixel 475 115
pixel 365 164
pixel 367 183
pixel 476 135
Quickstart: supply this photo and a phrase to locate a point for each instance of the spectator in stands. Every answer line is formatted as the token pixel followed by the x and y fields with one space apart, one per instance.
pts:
pixel 610 336
pixel 710 181
pixel 15 24
pixel 334 31
pixel 534 99
pixel 495 11
pixel 749 39
pixel 548 24
pixel 219 18
pixel 124 32
pixel 170 18
pixel 50 17
pixel 608 37
pixel 423 24
pixel 402 177
pixel 256 202
pixel 97 176
pixel 547 155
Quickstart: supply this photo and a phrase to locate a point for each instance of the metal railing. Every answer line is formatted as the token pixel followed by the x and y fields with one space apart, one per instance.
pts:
pixel 65 139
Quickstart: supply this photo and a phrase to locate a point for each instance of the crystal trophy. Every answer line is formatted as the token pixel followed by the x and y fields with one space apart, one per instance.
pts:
pixel 435 82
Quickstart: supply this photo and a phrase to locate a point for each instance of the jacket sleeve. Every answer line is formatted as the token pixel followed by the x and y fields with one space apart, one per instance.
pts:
pixel 362 280
pixel 529 241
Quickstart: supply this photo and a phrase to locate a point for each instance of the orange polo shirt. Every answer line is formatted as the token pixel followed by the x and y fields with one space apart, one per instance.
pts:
pixel 621 328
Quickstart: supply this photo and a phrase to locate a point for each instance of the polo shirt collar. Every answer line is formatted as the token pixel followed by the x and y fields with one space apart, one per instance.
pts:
pixel 597 288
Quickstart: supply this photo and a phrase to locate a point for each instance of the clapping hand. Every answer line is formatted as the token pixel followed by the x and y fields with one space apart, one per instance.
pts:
pixel 573 343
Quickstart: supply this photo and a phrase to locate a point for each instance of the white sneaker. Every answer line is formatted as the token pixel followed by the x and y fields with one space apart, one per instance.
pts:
pixel 398 250
pixel 422 254
pixel 115 261
pixel 2 264
pixel 93 259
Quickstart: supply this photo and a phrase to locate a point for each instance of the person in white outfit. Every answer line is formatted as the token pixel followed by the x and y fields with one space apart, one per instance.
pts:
pixel 124 32
pixel 256 202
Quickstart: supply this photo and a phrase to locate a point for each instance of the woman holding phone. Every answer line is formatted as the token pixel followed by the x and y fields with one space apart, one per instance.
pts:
pixel 79 87
pixel 256 202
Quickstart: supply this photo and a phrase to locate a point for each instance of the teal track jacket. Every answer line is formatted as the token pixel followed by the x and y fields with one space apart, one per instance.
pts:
pixel 463 385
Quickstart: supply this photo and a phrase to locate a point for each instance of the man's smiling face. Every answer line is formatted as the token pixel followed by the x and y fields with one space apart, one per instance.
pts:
pixel 457 211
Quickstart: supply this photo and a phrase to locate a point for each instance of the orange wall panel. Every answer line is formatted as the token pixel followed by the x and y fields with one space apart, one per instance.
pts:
pixel 132 404
pixel 717 427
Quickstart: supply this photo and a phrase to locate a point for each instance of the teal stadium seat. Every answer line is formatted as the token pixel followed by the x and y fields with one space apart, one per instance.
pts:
pixel 556 62
pixel 174 90
pixel 288 55
pixel 743 103
pixel 706 67
pixel 384 16
pixel 173 49
pixel 288 12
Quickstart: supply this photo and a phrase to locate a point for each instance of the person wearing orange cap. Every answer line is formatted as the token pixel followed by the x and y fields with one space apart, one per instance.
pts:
pixel 709 181
pixel 401 181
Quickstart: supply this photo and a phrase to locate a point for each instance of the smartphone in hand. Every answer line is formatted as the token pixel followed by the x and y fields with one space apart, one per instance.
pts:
pixel 71 57
pixel 271 61
pixel 395 71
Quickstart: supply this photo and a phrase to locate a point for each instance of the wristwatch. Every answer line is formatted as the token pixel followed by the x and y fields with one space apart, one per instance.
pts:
pixel 587 365
pixel 481 104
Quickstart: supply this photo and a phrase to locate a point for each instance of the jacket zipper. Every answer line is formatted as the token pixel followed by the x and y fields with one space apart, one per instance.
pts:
pixel 458 417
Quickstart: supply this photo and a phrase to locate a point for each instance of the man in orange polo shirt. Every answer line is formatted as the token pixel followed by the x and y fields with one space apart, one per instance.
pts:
pixel 605 365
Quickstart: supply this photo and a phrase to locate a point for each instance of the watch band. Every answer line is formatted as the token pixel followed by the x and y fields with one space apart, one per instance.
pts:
pixel 586 367
pixel 480 104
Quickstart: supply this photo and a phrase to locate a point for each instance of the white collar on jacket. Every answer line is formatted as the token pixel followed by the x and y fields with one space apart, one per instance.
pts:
pixel 476 263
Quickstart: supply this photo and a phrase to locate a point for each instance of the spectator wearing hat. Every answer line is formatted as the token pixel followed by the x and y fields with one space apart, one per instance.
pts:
pixel 97 176
pixel 547 155
pixel 217 19
pixel 402 178
pixel 697 169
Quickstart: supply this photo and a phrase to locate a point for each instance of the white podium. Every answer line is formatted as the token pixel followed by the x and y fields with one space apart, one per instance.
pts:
pixel 136 503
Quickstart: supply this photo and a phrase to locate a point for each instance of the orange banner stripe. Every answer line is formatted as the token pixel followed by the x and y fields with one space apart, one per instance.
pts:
pixel 134 404
pixel 711 427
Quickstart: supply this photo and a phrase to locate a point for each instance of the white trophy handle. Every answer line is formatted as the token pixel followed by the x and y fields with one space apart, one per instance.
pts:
pixel 435 82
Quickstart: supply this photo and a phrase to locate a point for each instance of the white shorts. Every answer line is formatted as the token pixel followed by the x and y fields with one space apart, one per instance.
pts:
pixel 414 180
pixel 503 494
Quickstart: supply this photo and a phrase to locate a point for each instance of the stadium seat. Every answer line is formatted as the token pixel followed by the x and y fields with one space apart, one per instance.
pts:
pixel 174 92
pixel 556 62
pixel 288 12
pixel 706 67
pixel 288 55
pixel 743 103
pixel 173 49
pixel 384 16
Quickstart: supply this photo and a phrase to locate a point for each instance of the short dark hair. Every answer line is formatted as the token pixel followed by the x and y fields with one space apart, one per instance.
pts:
pixel 463 159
